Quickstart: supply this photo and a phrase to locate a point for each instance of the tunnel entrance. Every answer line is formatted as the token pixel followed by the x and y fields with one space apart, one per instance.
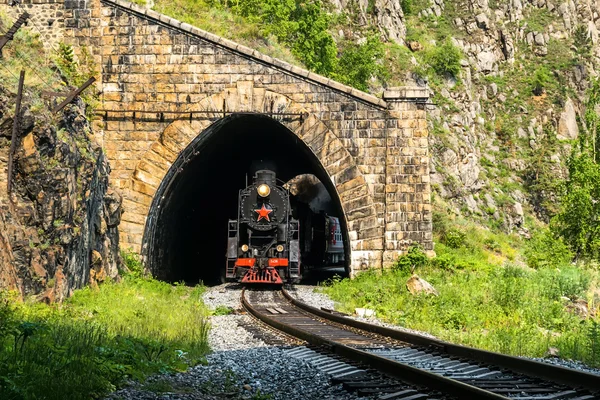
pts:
pixel 186 232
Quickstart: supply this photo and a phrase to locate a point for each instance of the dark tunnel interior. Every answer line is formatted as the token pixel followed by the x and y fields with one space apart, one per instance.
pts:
pixel 186 233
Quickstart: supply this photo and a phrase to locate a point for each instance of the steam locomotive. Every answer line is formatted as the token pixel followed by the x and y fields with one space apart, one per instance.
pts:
pixel 269 239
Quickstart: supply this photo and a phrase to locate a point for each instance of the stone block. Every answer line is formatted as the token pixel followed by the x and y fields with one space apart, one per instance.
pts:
pixel 147 178
pixel 143 187
pixel 364 212
pixel 134 218
pixel 132 228
pixel 157 173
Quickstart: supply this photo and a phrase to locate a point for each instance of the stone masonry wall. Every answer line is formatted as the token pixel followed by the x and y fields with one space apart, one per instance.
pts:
pixel 47 17
pixel 375 151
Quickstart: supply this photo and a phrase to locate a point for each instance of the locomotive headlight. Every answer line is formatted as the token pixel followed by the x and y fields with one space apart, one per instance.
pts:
pixel 245 248
pixel 279 248
pixel 264 190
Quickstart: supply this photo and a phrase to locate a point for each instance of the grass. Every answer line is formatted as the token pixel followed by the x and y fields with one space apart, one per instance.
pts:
pixel 488 298
pixel 89 345
pixel 223 22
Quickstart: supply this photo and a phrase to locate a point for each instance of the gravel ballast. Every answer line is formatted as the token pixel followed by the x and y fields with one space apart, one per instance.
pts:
pixel 241 367
pixel 242 374
pixel 226 331
pixel 245 367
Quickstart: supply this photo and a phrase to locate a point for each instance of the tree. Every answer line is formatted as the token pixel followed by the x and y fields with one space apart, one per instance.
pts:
pixel 360 62
pixel 301 25
pixel 578 221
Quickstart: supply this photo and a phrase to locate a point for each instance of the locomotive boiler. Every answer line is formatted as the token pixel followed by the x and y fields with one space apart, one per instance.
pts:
pixel 263 243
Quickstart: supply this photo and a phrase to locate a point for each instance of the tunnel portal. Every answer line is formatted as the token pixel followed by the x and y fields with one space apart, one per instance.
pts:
pixel 186 232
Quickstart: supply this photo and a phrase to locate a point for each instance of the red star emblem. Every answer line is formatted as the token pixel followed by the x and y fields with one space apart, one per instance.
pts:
pixel 263 213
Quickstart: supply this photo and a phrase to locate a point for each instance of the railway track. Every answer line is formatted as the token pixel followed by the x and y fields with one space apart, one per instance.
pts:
pixel 351 351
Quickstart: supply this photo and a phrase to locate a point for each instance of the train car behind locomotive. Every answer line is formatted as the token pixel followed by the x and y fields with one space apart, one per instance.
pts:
pixel 263 242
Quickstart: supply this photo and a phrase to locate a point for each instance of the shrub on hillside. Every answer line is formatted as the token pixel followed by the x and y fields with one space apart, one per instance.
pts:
pixel 454 238
pixel 583 42
pixel 509 288
pixel 445 59
pixel 541 80
pixel 133 263
pixel 567 281
pixel 577 220
pixel 545 250
pixel 407 7
pixel 303 26
pixel 360 62
pixel 413 259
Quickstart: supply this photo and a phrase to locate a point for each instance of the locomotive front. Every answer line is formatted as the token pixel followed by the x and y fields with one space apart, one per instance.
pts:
pixel 263 244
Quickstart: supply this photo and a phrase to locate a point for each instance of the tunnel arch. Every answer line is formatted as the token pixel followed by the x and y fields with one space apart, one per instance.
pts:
pixel 187 221
pixel 180 143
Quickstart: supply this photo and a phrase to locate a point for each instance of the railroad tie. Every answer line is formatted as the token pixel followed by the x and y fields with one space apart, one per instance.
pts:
pixel 404 395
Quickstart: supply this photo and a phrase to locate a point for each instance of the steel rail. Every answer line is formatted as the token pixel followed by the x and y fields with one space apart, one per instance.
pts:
pixel 548 372
pixel 398 370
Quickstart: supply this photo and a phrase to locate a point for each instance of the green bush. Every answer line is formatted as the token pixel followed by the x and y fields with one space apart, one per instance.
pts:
pixel 541 80
pixel 222 310
pixel 509 289
pixel 454 238
pixel 413 259
pixel 133 263
pixel 407 7
pixel 577 220
pixel 446 262
pixel 567 281
pixel 544 250
pixel 445 59
pixel 491 244
pixel 583 42
pixel 360 62
pixel 303 26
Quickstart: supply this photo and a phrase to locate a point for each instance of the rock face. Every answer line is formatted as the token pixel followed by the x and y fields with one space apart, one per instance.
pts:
pixel 386 15
pixel 59 224
pixel 567 125
pixel 495 137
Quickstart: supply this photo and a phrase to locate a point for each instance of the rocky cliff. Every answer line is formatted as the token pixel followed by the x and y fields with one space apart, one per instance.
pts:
pixel 386 15
pixel 502 132
pixel 506 116
pixel 508 113
pixel 58 226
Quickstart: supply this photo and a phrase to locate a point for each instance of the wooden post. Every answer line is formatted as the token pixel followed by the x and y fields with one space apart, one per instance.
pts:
pixel 72 95
pixel 11 32
pixel 15 133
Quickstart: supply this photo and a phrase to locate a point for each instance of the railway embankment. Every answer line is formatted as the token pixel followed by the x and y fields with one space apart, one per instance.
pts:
pixel 488 297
